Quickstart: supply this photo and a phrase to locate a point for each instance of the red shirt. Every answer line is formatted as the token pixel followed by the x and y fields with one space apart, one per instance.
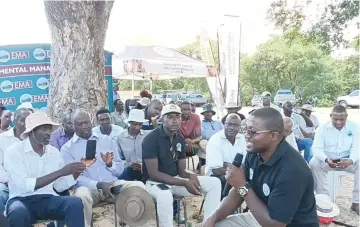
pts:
pixel 187 129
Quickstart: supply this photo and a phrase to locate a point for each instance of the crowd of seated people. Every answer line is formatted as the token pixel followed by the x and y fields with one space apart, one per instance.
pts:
pixel 147 148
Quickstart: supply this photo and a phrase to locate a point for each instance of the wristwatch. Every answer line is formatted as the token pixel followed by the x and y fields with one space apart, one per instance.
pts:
pixel 244 189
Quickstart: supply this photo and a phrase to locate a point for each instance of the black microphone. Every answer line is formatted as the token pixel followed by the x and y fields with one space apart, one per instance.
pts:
pixel 237 162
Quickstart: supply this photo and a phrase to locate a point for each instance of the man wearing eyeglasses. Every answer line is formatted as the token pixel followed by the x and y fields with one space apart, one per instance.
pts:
pixel 274 181
pixel 164 169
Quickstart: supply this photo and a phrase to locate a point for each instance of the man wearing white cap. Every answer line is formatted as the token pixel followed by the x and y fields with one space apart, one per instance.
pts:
pixel 266 101
pixel 307 110
pixel 130 144
pixel 164 161
pixel 35 168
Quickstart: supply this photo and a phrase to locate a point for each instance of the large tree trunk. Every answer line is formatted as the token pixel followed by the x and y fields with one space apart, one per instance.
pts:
pixel 78 30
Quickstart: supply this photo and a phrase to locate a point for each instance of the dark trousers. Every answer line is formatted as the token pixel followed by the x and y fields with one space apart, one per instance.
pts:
pixel 25 211
pixel 130 175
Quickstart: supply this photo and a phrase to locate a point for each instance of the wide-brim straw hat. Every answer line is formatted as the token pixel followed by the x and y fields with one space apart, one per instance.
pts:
pixel 136 115
pixel 325 208
pixel 35 120
pixel 134 206
pixel 308 107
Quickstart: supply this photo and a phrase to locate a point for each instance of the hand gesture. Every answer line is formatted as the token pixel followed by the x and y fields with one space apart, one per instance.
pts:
pixel 88 163
pixel 331 163
pixel 193 178
pixel 154 118
pixel 190 186
pixel 235 176
pixel 105 187
pixel 344 163
pixel 136 166
pixel 73 168
pixel 189 141
pixel 107 158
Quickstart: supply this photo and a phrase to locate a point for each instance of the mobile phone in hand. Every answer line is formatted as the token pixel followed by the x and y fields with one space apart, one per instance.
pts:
pixel 90 149
pixel 162 186
pixel 336 161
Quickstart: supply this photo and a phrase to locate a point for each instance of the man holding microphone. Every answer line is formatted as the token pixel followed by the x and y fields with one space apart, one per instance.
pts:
pixel 266 180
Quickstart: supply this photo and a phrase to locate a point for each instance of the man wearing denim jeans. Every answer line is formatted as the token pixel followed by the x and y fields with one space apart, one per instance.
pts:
pixel 301 121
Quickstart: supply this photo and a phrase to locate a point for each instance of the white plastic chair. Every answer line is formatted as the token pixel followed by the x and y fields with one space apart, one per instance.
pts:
pixel 334 183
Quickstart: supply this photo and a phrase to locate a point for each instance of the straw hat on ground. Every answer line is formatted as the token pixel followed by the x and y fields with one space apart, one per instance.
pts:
pixel 325 208
pixel 134 206
pixel 35 120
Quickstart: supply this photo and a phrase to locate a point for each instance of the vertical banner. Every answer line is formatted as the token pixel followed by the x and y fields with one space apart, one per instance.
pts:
pixel 207 57
pixel 229 54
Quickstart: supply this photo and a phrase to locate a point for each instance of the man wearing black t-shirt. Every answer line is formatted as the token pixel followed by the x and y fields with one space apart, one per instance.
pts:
pixel 164 169
pixel 275 181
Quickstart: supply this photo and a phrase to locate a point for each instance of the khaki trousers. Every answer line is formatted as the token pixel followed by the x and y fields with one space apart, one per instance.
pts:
pixel 210 186
pixel 91 197
pixel 320 168
pixel 239 220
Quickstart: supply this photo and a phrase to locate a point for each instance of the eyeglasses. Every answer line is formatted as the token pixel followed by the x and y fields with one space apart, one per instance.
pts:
pixel 252 133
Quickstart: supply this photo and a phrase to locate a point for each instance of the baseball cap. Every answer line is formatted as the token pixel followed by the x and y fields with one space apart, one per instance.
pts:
pixel 265 93
pixel 170 108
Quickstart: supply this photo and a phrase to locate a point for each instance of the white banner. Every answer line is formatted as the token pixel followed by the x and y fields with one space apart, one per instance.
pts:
pixel 229 54
pixel 212 81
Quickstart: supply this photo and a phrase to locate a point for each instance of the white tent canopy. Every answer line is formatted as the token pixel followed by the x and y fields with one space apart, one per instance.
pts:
pixel 156 63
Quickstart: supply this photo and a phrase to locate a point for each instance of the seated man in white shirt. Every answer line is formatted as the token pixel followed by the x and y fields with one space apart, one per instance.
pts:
pixel 7 139
pixel 222 148
pixel 94 185
pixel 105 127
pixel 336 148
pixel 34 168
pixel 307 111
pixel 288 133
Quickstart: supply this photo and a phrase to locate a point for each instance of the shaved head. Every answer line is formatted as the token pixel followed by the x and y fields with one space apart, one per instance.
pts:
pixel 82 123
pixel 272 119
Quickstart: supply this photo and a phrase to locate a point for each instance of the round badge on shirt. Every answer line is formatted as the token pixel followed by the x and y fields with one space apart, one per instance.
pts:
pixel 266 189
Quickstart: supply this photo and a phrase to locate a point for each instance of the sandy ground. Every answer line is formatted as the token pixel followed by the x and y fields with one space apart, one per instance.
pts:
pixel 103 216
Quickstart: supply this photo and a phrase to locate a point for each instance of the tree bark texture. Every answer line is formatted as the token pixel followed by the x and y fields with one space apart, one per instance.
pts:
pixel 78 31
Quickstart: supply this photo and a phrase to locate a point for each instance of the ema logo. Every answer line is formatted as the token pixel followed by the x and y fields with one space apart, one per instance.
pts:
pixel 42 83
pixel 25 98
pixel 8 101
pixel 4 56
pixel 6 86
pixel 39 54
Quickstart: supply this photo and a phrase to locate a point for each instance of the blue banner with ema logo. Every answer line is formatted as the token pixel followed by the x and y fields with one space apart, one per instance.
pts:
pixel 25 74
